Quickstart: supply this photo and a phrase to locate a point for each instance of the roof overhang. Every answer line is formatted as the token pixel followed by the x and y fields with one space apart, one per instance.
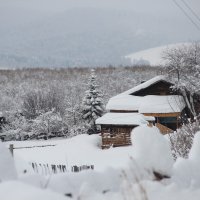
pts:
pixel 134 119
pixel 147 104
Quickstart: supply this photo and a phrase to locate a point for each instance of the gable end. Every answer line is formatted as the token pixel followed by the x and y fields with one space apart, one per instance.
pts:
pixel 159 88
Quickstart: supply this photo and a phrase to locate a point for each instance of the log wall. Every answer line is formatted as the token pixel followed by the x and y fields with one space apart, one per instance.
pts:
pixel 115 135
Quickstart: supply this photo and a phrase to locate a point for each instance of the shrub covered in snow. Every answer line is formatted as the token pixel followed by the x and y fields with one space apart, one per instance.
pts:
pixel 17 127
pixel 39 101
pixel 181 140
pixel 46 125
pixel 49 124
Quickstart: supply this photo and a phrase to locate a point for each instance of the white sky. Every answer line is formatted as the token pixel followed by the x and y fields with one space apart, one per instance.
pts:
pixel 158 8
pixel 141 5
pixel 153 7
pixel 156 22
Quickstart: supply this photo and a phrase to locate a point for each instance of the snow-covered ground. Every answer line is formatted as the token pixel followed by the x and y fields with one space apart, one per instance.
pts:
pixel 119 173
pixel 79 150
pixel 152 56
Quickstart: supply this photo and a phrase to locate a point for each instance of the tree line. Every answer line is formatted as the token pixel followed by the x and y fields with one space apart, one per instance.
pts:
pixel 46 103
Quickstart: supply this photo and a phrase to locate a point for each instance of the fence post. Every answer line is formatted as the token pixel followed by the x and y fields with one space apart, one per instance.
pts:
pixel 11 148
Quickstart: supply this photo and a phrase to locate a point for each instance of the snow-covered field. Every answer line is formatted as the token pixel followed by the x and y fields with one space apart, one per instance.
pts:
pixel 119 173
pixel 152 56
pixel 79 150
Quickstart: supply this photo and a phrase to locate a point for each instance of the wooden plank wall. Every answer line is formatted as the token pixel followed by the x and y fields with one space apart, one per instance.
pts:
pixel 116 136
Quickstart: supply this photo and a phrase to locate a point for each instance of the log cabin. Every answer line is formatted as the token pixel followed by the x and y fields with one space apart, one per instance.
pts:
pixel 152 102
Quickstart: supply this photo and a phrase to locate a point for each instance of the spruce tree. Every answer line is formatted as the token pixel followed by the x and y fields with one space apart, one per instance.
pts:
pixel 92 104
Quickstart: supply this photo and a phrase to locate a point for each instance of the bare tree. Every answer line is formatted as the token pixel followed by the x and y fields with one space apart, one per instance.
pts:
pixel 183 66
pixel 36 102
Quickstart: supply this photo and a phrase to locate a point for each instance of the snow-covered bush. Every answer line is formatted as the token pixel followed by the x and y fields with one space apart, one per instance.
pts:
pixel 17 127
pixel 92 104
pixel 49 124
pixel 182 140
pixel 42 100
pixel 2 121
pixel 77 130
pixel 74 119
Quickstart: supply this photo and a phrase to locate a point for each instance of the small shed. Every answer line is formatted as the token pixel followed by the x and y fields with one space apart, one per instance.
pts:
pixel 116 127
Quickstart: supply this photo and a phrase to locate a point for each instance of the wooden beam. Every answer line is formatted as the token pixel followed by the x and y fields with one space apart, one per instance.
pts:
pixel 175 114
pixel 124 111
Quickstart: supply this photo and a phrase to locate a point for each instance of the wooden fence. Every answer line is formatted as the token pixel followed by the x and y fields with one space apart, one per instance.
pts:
pixel 81 168
pixel 47 169
pixel 11 147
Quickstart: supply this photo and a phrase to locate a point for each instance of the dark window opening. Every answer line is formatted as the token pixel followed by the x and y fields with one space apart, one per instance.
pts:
pixel 170 122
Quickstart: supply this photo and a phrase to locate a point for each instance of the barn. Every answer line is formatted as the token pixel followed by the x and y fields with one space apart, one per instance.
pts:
pixel 152 102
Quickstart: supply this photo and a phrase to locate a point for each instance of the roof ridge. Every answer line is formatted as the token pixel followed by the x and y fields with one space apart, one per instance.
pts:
pixel 143 85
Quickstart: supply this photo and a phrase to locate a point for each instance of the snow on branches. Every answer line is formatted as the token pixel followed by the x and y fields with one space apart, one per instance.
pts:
pixel 183 66
pixel 92 104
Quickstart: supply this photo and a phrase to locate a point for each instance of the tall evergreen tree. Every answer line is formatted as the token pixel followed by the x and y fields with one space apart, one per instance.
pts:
pixel 92 104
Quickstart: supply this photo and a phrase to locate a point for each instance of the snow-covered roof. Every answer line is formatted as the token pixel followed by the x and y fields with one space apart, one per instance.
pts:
pixel 147 104
pixel 124 102
pixel 124 119
pixel 145 84
pixel 162 104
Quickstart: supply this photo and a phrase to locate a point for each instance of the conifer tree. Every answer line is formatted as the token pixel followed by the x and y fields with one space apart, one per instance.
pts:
pixel 92 104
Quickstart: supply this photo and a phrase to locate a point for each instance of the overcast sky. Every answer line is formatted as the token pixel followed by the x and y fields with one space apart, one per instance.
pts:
pixel 28 27
pixel 153 7
pixel 140 5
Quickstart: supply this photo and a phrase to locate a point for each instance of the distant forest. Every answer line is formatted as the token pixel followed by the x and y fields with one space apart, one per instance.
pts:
pixel 29 96
pixel 15 83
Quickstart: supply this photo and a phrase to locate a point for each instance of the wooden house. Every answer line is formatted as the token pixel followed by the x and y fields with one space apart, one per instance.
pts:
pixel 152 102
pixel 116 127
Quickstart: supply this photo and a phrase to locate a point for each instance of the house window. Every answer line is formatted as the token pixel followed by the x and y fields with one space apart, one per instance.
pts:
pixel 165 120
pixel 170 122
